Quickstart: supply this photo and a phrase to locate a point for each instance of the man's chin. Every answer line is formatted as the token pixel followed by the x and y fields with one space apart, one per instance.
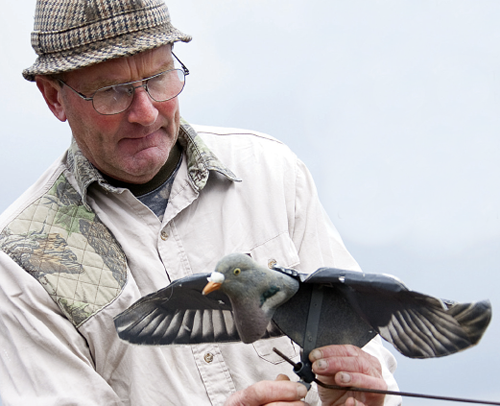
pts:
pixel 137 173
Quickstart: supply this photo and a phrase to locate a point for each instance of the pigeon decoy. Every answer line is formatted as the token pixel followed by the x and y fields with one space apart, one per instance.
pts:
pixel 244 301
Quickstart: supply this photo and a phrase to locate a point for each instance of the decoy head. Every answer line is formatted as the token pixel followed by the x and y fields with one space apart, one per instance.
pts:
pixel 236 272
pixel 250 285
pixel 255 292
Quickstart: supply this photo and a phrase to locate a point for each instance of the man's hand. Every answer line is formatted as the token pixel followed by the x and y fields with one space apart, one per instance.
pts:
pixel 281 392
pixel 346 365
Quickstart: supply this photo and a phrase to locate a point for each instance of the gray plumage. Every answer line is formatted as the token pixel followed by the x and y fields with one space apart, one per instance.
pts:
pixel 254 302
pixel 255 293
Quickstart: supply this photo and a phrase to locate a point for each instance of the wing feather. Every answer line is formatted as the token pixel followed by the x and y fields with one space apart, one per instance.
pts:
pixel 418 325
pixel 180 314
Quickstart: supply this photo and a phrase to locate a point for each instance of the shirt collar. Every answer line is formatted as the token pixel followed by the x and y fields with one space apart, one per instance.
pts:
pixel 200 161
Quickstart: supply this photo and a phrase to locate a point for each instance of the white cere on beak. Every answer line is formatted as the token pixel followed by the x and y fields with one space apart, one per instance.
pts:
pixel 216 277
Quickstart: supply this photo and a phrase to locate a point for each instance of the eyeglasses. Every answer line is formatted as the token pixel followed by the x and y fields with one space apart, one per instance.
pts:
pixel 116 99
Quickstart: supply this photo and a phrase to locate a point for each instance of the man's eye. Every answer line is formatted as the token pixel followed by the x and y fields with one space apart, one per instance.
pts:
pixel 107 90
pixel 128 90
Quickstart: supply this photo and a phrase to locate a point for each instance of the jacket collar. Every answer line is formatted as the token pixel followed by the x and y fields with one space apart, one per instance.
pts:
pixel 200 161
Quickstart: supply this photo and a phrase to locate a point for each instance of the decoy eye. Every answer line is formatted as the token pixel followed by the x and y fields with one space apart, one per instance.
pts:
pixel 237 271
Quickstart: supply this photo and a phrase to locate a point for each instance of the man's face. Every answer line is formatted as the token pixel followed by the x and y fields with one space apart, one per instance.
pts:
pixel 133 145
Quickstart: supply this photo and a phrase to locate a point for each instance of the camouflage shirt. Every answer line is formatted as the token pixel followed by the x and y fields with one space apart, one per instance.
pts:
pixel 62 242
pixel 77 251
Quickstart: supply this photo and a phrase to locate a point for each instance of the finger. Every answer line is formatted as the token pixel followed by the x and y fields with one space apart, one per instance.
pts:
pixel 282 377
pixel 333 359
pixel 267 392
pixel 353 402
pixel 330 366
pixel 335 351
pixel 350 397
pixel 357 380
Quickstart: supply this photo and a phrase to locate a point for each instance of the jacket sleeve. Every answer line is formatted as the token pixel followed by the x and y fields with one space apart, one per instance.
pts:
pixel 43 359
pixel 319 244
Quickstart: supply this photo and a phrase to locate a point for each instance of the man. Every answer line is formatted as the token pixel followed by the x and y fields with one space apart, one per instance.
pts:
pixel 142 198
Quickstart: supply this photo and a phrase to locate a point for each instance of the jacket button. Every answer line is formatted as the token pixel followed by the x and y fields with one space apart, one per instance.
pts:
pixel 208 358
pixel 164 236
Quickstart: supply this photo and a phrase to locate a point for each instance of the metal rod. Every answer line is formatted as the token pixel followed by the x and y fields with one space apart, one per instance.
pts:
pixel 388 392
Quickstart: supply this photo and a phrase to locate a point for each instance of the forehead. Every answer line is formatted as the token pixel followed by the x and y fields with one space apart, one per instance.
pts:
pixel 122 70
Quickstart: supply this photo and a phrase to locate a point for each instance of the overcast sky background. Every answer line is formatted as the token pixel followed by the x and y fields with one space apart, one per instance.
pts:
pixel 393 105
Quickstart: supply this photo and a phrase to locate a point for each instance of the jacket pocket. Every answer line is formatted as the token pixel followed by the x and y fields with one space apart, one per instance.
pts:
pixel 281 251
pixel 264 349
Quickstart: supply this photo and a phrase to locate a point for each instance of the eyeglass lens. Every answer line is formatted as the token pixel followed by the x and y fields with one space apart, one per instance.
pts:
pixel 115 99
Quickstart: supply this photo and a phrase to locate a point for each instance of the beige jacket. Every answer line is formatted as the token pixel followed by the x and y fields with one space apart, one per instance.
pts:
pixel 76 252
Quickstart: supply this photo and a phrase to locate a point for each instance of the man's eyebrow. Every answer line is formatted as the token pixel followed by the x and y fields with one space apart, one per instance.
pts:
pixel 101 82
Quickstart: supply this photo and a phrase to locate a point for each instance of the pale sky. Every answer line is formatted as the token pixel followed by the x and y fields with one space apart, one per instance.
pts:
pixel 393 105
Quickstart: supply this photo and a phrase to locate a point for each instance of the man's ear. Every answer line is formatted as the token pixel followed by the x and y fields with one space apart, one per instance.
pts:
pixel 51 91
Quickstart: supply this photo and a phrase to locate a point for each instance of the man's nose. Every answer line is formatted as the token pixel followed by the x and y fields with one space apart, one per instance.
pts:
pixel 142 110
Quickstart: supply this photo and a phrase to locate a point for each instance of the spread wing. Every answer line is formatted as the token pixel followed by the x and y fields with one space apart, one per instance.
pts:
pixel 180 314
pixel 419 326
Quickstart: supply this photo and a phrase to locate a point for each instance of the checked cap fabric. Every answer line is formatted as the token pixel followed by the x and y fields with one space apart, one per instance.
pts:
pixel 72 34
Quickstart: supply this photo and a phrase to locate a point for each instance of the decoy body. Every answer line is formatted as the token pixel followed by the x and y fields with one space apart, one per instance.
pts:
pixel 244 301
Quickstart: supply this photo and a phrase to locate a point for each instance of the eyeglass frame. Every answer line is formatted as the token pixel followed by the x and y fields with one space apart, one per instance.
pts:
pixel 144 84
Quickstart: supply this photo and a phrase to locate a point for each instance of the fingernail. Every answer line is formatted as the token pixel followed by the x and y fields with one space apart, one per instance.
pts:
pixel 321 365
pixel 345 378
pixel 315 354
pixel 301 391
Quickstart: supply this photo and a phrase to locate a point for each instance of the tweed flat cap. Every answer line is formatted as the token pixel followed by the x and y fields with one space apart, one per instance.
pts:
pixel 72 34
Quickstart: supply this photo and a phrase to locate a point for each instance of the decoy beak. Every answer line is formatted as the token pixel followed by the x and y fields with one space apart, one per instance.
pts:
pixel 210 287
